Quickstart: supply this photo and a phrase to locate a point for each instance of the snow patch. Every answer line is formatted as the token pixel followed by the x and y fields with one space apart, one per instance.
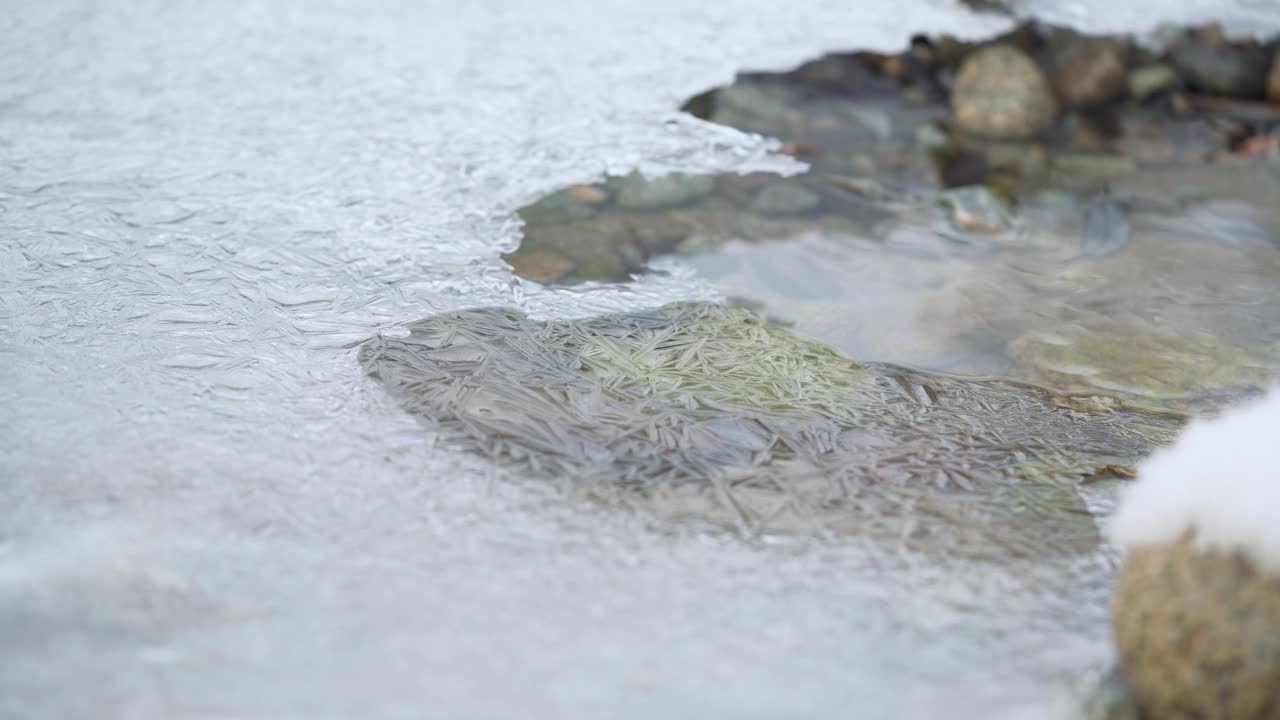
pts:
pixel 1221 480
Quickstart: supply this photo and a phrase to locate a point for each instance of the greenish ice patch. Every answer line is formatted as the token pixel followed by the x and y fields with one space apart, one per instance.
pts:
pixel 706 414
pixel 1164 368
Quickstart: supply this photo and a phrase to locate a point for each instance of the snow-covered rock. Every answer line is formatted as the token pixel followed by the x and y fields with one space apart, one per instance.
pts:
pixel 1196 610
pixel 1220 481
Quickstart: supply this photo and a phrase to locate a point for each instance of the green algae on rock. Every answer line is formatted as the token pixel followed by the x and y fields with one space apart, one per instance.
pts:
pixel 1178 372
pixel 705 413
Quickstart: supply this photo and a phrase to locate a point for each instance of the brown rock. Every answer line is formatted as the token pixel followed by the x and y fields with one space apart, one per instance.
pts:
pixel 1090 72
pixel 999 92
pixel 1198 634
pixel 540 264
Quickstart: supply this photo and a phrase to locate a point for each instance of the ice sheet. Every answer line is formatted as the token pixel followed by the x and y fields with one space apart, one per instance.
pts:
pixel 206 509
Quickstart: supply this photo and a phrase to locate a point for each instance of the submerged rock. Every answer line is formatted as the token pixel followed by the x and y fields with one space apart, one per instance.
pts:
pixel 1105 229
pixel 1173 371
pixel 1090 72
pixel 977 209
pixel 1198 633
pixel 609 246
pixel 999 92
pixel 1214 66
pixel 540 264
pixel 1147 81
pixel 706 413
pixel 637 191
pixel 753 100
pixel 785 198
pixel 559 207
pixel 586 250
pixel 589 194
pixel 1091 169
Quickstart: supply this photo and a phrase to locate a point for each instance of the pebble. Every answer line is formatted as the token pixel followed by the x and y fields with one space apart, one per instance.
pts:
pixel 999 92
pixel 540 265
pixel 976 209
pixel 1198 633
pixel 1090 72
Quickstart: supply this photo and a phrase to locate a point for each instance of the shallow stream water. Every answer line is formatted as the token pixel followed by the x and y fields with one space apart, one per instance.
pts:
pixel 207 509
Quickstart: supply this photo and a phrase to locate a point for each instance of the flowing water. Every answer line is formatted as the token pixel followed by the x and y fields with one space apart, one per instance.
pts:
pixel 1139 261
pixel 209 509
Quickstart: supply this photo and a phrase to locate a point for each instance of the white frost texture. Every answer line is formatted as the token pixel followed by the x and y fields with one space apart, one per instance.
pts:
pixel 1220 480
pixel 208 510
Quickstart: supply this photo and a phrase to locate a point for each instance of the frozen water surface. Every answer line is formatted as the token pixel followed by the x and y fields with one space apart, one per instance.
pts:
pixel 206 508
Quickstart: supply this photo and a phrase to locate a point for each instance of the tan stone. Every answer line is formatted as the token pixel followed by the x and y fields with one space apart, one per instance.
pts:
pixel 1090 73
pixel 1198 634
pixel 540 264
pixel 1000 92
pixel 589 194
